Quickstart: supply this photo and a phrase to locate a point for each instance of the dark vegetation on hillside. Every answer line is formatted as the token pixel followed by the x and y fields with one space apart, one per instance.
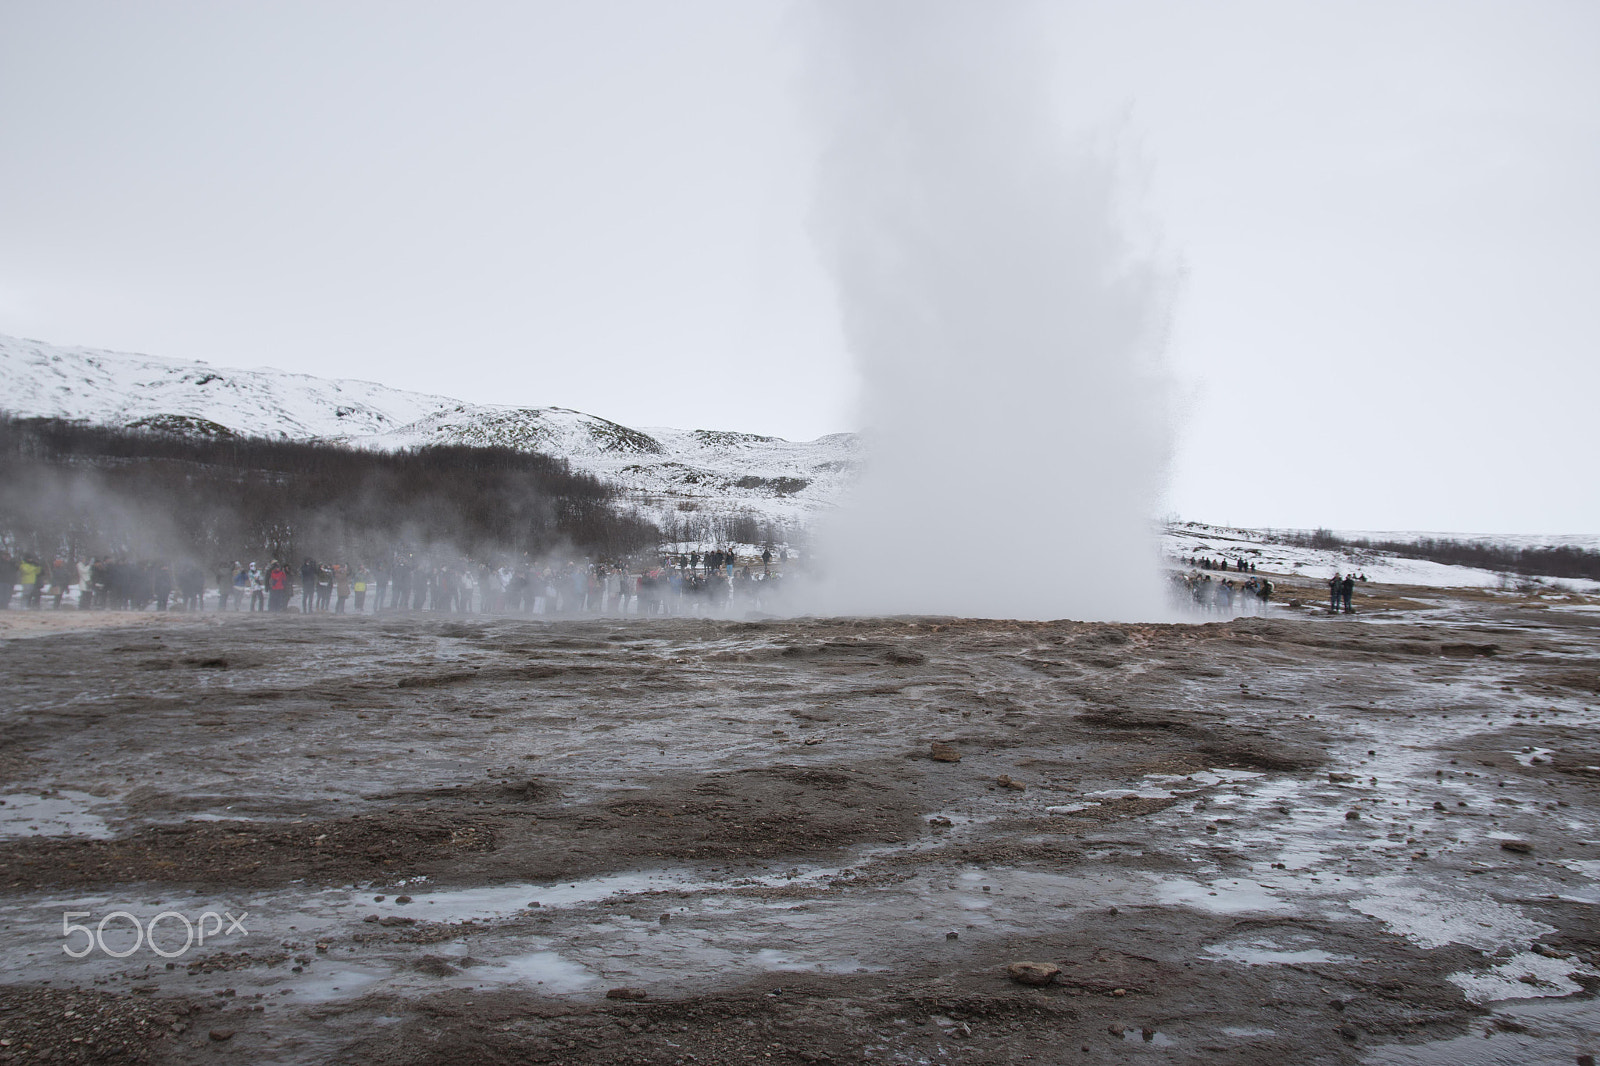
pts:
pixel 1565 562
pixel 78 490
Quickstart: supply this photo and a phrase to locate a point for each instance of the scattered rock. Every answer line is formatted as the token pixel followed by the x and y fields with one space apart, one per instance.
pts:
pixel 379 899
pixel 1520 847
pixel 1005 781
pixel 434 966
pixel 1119 991
pixel 402 899
pixel 395 919
pixel 220 1035
pixel 633 994
pixel 939 751
pixel 1352 816
pixel 952 935
pixel 1032 973
pixel 1438 806
pixel 939 821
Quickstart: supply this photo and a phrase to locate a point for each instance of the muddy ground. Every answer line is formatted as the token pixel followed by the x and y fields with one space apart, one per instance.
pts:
pixel 1304 839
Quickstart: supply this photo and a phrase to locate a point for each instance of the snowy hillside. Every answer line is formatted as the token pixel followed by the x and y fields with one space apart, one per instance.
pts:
pixel 680 478
pixel 1193 539
pixel 688 475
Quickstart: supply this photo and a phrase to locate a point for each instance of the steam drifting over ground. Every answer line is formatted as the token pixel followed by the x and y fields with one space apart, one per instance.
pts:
pixel 1007 336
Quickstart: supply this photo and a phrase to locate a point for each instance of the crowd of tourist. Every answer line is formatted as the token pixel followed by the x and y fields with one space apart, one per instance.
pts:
pixel 1223 595
pixel 686 583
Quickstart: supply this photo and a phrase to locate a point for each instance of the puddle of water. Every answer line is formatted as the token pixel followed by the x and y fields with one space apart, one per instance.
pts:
pixel 546 969
pixel 1266 953
pixel 1220 897
pixel 1169 786
pixel 328 983
pixel 1557 1031
pixel 1431 920
pixel 63 813
pixel 1154 1038
pixel 1546 977
pixel 1526 757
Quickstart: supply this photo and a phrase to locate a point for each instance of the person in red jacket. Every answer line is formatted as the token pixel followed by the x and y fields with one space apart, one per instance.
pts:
pixel 277 586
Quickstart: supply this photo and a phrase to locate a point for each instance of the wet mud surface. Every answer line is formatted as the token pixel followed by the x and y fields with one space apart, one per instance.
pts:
pixel 1308 839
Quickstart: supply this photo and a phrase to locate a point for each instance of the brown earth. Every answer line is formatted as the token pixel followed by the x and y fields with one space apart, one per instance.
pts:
pixel 743 823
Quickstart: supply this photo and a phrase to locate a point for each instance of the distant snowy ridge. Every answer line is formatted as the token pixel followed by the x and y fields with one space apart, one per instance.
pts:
pixel 675 476
pixel 691 481
pixel 1267 549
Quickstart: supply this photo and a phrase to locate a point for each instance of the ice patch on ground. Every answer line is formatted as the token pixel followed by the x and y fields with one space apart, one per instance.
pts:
pixel 1524 976
pixel 60 813
pixel 1432 921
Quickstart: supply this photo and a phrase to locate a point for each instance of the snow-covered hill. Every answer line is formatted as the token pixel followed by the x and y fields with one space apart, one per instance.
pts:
pixel 1268 551
pixel 694 481
pixel 677 476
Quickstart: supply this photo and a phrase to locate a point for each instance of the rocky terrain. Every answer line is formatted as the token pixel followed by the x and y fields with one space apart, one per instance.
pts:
pixel 444 839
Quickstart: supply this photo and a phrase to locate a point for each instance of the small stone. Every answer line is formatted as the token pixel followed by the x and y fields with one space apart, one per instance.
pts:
pixel 1352 816
pixel 952 935
pixel 220 1035
pixel 1341 779
pixel 1520 847
pixel 395 919
pixel 1115 1029
pixel 1005 781
pixel 402 899
pixel 941 752
pixel 370 918
pixel 939 821
pixel 1119 991
pixel 379 899
pixel 533 904
pixel 632 994
pixel 322 947
pixel 664 919
pixel 1438 806
pixel 1032 973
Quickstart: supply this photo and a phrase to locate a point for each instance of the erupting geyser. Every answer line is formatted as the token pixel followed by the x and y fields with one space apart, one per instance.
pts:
pixel 1007 334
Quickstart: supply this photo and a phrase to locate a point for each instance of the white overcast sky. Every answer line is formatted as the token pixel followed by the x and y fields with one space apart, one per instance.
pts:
pixel 1387 217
